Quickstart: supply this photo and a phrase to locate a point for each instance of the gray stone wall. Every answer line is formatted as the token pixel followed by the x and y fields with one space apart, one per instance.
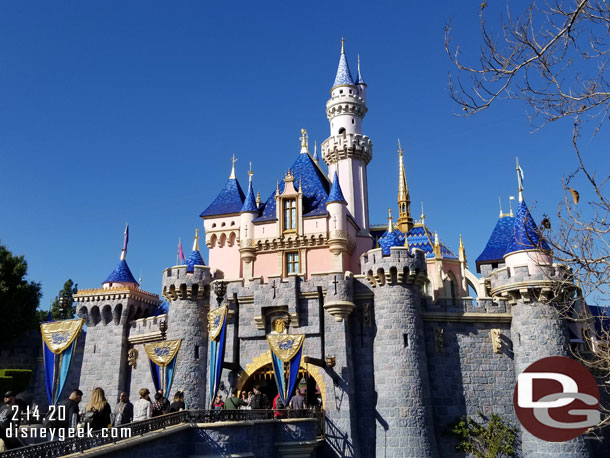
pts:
pixel 467 376
pixel 404 414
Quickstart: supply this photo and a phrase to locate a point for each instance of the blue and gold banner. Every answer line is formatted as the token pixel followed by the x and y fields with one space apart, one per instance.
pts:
pixel 217 327
pixel 58 347
pixel 286 352
pixel 162 359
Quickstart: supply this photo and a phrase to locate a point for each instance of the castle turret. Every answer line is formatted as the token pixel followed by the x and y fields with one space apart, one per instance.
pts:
pixel 108 312
pixel 186 288
pixel 399 354
pixel 539 293
pixel 347 151
pixel 337 211
pixel 249 211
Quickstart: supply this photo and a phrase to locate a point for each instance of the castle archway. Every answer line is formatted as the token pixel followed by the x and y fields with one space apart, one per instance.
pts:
pixel 260 372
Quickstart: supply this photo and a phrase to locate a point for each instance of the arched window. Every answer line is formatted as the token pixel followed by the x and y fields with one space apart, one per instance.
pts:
pixel 342 130
pixel 451 286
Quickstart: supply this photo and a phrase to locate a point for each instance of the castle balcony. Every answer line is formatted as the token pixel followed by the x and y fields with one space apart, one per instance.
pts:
pixel 347 145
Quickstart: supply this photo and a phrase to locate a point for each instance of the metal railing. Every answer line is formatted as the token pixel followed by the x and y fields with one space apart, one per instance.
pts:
pixel 92 439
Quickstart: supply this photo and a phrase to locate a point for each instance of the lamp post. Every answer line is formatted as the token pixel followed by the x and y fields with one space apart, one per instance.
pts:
pixel 163 328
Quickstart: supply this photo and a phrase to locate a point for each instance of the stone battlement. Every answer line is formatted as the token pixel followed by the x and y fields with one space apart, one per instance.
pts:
pixel 180 284
pixel 347 145
pixel 520 275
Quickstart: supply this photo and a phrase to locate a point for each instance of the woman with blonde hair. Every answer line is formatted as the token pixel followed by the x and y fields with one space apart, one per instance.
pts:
pixel 142 408
pixel 97 411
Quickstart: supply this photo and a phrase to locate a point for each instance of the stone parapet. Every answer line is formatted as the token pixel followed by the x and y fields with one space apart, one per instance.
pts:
pixel 347 145
pixel 180 284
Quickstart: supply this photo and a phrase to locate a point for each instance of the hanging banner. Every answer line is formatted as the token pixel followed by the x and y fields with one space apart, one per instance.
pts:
pixel 162 360
pixel 58 347
pixel 286 352
pixel 217 326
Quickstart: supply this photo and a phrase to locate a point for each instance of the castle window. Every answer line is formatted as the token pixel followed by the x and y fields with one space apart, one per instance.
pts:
pixel 290 214
pixel 340 91
pixel 292 262
pixel 342 130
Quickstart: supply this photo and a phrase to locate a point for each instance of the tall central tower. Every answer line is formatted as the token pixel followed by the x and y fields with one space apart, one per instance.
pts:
pixel 347 152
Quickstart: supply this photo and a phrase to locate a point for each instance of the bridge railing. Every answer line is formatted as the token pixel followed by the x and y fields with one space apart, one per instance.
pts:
pixel 88 440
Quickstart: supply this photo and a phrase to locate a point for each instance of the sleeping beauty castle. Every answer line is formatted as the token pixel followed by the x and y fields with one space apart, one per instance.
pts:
pixel 386 325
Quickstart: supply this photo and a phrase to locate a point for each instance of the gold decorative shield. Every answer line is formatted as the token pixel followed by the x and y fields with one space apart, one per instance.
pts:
pixel 285 346
pixel 216 319
pixel 162 353
pixel 59 335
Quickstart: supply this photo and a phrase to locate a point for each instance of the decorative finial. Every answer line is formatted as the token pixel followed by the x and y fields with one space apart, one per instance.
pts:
pixel 500 204
pixel 300 185
pixel 196 242
pixel 436 241
pixel 520 180
pixel 277 188
pixel 422 216
pixel 390 228
pixel 258 199
pixel 250 172
pixel 342 45
pixel 125 241
pixel 315 151
pixel 461 243
pixel 400 150
pixel 510 203
pixel 304 141
pixel 233 160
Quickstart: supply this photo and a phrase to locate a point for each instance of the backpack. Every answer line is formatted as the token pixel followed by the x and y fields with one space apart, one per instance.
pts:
pixel 279 404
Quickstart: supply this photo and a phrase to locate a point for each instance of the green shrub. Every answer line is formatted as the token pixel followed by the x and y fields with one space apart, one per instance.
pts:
pixel 492 438
pixel 19 379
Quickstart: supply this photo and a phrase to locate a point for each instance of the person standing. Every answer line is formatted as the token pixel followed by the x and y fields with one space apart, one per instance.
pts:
pixel 297 401
pixel 178 403
pixel 97 411
pixel 8 412
pixel 278 407
pixel 123 413
pixel 218 404
pixel 142 409
pixel 259 400
pixel 245 400
pixel 68 411
pixel 233 402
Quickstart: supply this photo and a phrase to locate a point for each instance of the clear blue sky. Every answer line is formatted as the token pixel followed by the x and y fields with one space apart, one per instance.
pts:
pixel 129 111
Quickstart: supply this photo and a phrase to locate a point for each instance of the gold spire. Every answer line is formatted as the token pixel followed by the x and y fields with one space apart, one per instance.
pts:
pixel 422 216
pixel 250 172
pixel 304 141
pixel 404 222
pixel 462 250
pixel 196 242
pixel 342 45
pixel 233 160
pixel 437 246
pixel 390 228
pixel 258 199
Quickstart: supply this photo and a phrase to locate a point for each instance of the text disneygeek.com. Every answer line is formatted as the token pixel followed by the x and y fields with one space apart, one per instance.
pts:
pixel 67 433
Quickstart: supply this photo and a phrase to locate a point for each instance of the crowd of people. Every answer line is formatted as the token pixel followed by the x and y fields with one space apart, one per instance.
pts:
pixel 98 413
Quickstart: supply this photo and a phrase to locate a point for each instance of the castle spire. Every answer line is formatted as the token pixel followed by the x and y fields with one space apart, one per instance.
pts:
pixel 304 142
pixel 233 161
pixel 196 241
pixel 125 241
pixel 390 227
pixel 520 180
pixel 405 222
pixel 360 79
pixel 344 76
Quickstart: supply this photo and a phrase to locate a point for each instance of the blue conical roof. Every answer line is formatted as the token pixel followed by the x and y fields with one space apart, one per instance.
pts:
pixel 314 186
pixel 498 241
pixel 390 239
pixel 121 274
pixel 250 201
pixel 344 76
pixel 335 195
pixel 525 234
pixel 229 200
pixel 193 260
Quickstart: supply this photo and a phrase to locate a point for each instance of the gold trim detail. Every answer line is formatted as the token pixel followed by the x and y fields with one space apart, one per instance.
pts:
pixel 59 335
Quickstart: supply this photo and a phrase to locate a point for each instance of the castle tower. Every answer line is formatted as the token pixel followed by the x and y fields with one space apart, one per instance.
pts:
pixel 249 211
pixel 337 211
pixel 347 151
pixel 539 293
pixel 186 288
pixel 399 353
pixel 405 221
pixel 108 311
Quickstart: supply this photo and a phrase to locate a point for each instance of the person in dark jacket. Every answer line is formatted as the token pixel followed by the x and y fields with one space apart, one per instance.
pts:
pixel 260 399
pixel 97 412
pixel 123 413
pixel 66 412
pixel 178 403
